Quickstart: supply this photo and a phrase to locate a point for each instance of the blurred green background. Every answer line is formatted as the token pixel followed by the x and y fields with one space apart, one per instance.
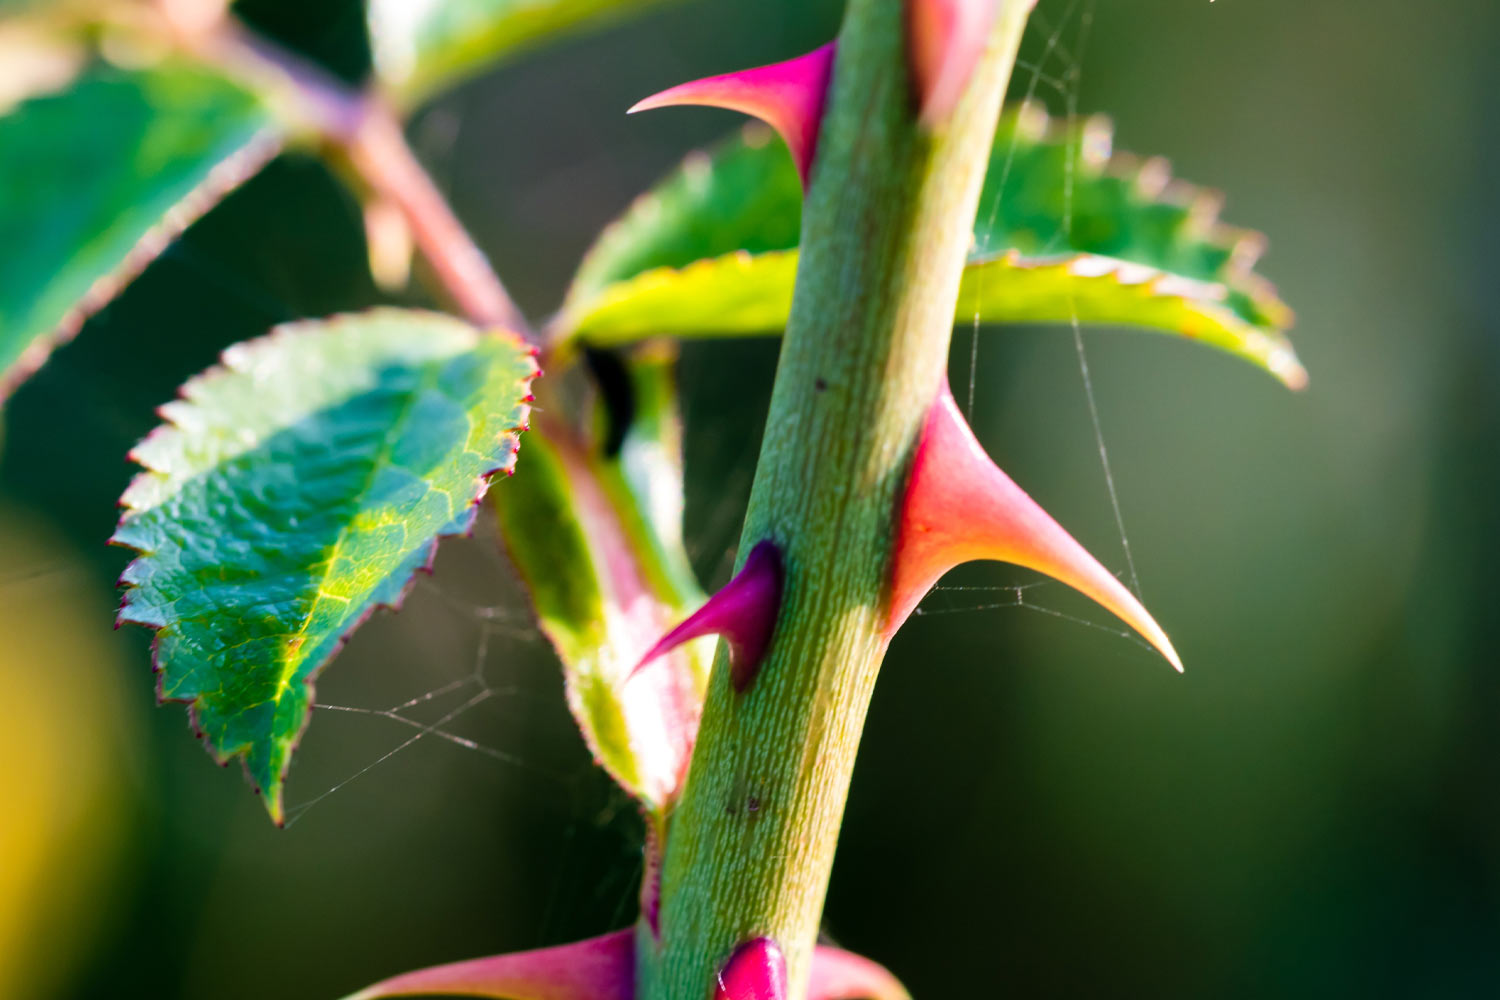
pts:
pixel 1041 808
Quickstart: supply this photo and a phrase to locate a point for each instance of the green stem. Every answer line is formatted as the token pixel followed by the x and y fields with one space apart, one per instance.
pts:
pixel 886 228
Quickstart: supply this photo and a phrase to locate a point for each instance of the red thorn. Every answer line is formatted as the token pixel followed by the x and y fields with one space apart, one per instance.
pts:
pixel 946 39
pixel 756 971
pixel 601 968
pixel 959 507
pixel 842 975
pixel 743 613
pixel 788 96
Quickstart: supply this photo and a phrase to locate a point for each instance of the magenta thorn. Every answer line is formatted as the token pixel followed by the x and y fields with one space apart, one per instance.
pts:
pixel 959 506
pixel 946 39
pixel 788 96
pixel 843 975
pixel 601 968
pixel 743 613
pixel 756 971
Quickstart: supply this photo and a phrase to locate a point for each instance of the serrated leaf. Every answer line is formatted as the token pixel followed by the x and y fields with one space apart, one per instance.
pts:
pixel 421 46
pixel 96 180
pixel 1067 229
pixel 293 490
pixel 594 527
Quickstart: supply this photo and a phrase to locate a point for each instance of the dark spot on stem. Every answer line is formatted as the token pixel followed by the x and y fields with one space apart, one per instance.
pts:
pixel 820 384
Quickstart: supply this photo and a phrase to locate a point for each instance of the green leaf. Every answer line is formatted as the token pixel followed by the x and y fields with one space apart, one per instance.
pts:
pixel 295 489
pixel 594 528
pixel 743 197
pixel 1066 230
pixel 97 180
pixel 421 46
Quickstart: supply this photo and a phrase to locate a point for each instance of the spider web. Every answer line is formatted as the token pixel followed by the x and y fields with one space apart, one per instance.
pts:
pixel 1057 72
pixel 438 712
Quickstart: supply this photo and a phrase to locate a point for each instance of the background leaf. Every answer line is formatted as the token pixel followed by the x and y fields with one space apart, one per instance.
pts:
pixel 1066 229
pixel 594 527
pixel 97 180
pixel 742 195
pixel 420 46
pixel 295 489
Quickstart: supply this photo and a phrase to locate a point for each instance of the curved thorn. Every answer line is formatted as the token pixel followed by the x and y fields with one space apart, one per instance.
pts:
pixel 788 96
pixel 959 507
pixel 843 975
pixel 743 613
pixel 601 968
pixel 946 39
pixel 756 971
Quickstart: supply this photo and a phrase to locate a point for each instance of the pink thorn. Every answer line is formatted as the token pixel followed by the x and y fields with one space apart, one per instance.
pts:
pixel 959 506
pixel 756 971
pixel 842 975
pixel 743 613
pixel 601 968
pixel 788 96
pixel 947 37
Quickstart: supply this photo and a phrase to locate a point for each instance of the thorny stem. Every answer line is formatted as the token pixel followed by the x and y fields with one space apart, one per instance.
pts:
pixel 886 226
pixel 367 136
pixel 885 229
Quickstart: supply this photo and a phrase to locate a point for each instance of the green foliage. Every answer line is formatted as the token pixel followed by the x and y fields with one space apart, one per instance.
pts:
pixel 594 527
pixel 743 196
pixel 421 46
pixel 97 180
pixel 295 489
pixel 1067 230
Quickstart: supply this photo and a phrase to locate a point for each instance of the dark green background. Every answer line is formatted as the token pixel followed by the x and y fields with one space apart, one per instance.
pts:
pixel 1041 808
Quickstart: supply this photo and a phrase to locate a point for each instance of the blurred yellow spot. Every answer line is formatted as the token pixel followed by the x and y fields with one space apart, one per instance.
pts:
pixel 62 759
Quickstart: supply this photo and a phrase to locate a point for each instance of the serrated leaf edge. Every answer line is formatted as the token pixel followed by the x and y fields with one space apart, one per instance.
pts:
pixel 225 365
pixel 1153 180
pixel 1268 346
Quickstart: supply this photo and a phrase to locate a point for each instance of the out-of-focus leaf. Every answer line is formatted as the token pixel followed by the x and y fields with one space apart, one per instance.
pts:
pixel 1116 205
pixel 292 491
pixel 742 198
pixel 594 527
pixel 38 59
pixel 421 46
pixel 733 295
pixel 95 181
pixel 1066 230
pixel 743 294
pixel 1013 288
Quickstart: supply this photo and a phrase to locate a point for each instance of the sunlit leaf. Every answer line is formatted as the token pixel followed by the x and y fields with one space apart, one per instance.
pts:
pixel 1066 230
pixel 296 488
pixel 96 180
pixel 594 527
pixel 744 195
pixel 421 46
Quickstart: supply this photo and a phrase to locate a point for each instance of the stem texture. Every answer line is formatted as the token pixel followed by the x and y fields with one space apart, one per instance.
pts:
pixel 886 227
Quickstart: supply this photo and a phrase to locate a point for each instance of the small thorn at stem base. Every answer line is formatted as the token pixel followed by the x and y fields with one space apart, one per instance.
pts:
pixel 743 613
pixel 756 971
